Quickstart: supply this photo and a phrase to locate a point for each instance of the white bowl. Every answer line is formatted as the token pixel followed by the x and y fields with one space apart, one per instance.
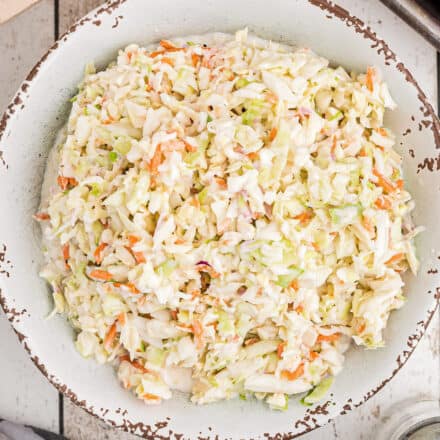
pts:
pixel 28 131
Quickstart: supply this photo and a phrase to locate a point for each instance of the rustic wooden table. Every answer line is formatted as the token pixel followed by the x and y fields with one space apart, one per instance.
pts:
pixel 26 396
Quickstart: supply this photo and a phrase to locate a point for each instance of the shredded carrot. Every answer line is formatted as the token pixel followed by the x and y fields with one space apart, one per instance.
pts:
pixel 42 216
pixel 131 287
pixel 368 224
pixel 190 148
pixel 383 203
pixel 273 133
pixel 168 61
pixel 63 182
pixel 253 156
pixel 198 333
pixel 333 147
pixel 304 217
pixel 382 131
pixel 395 258
pixel 148 87
pixel 122 318
pixel 361 327
pixel 98 251
pixel 299 308
pixel 66 255
pixel 139 257
pixel 110 336
pixel 221 182
pixel 292 375
pixel 169 47
pixel 135 363
pixel 195 59
pixel 399 184
pixel 194 201
pixel 384 182
pixel 251 341
pixel 141 300
pixel 329 338
pixel 133 239
pixel 102 275
pixel 313 355
pixel 369 78
pixel 280 349
pixel 66 182
pixel 156 160
pixel 294 285
pixel 315 246
pixel 179 241
pixel 156 53
pixel 148 396
pixel 362 153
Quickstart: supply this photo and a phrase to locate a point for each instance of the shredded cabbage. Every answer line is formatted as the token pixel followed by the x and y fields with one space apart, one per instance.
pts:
pixel 226 217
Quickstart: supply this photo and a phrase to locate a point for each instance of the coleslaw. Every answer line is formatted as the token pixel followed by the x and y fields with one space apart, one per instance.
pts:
pixel 223 215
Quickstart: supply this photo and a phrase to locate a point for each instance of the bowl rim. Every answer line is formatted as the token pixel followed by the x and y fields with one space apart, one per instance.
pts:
pixel 332 10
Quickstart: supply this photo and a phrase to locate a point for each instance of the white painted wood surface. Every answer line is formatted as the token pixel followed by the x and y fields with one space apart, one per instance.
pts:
pixel 26 396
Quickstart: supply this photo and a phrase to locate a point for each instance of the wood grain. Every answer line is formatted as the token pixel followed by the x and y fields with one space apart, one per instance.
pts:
pixel 10 8
pixel 72 10
pixel 25 394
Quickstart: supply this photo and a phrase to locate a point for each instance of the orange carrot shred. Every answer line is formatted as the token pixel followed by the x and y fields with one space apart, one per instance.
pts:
pixel 66 255
pixel 292 375
pixel 361 327
pixel 368 224
pixel 362 153
pixel 168 61
pixel 329 338
pixel 313 355
pixel 299 309
pixel 273 133
pixel 190 148
pixel 253 156
pixel 294 284
pixel 384 182
pixel 195 59
pixel 63 182
pixel 110 336
pixel 395 258
pixel 369 79
pixel 139 257
pixel 383 203
pixel 148 396
pixel 122 318
pixel 133 239
pixel 156 53
pixel 42 216
pixel 156 160
pixel 98 251
pixel 169 47
pixel 399 184
pixel 304 217
pixel 382 131
pixel 280 349
pixel 198 333
pixel 221 182
pixel 102 275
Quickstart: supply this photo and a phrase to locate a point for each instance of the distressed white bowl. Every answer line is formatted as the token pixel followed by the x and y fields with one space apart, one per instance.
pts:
pixel 28 131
